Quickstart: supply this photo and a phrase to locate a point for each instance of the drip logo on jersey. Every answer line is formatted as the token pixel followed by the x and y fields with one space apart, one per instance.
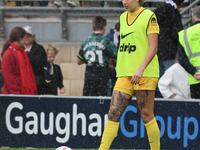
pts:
pixel 123 36
pixel 129 48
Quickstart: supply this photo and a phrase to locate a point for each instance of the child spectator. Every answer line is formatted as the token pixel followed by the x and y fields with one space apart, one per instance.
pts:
pixel 95 52
pixel 16 68
pixel 54 76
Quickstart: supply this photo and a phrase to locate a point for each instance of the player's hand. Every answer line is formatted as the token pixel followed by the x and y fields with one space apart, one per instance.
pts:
pixel 197 75
pixel 172 96
pixel 62 90
pixel 136 77
pixel 48 81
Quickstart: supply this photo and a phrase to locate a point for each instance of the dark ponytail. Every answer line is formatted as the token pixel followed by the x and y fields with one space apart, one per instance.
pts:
pixel 16 34
pixel 5 47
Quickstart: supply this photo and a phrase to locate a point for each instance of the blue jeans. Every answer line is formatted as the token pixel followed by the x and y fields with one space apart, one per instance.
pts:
pixel 163 66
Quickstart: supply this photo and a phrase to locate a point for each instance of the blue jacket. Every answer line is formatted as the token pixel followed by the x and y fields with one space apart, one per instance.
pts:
pixel 110 35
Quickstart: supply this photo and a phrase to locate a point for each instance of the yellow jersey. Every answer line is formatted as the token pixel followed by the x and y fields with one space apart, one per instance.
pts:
pixel 134 28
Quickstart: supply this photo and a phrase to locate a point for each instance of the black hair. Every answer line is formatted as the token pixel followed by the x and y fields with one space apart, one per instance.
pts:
pixel 117 26
pixel 178 2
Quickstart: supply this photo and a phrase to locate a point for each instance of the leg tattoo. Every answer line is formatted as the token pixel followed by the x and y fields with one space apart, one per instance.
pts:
pixel 119 102
pixel 142 98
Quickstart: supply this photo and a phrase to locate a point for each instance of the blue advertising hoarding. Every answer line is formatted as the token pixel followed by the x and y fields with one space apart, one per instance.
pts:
pixel 78 122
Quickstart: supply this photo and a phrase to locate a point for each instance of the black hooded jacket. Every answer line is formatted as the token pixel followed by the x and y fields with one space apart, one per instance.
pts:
pixel 38 59
pixel 169 20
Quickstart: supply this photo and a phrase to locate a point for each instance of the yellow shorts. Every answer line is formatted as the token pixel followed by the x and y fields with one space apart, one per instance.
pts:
pixel 123 84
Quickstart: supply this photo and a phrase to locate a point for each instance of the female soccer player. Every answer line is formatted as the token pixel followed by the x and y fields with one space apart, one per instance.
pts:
pixel 137 71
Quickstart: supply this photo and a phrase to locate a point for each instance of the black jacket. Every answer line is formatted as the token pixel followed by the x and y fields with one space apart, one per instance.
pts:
pixel 56 79
pixel 169 20
pixel 38 59
pixel 183 59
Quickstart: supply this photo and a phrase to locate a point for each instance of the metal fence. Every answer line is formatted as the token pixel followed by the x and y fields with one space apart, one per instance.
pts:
pixel 65 12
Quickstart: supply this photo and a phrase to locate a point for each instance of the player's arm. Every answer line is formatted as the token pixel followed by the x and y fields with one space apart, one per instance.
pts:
pixel 80 62
pixel 80 57
pixel 153 47
pixel 153 44
pixel 152 35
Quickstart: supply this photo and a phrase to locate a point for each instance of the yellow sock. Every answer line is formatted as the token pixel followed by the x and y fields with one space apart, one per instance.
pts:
pixel 109 134
pixel 153 133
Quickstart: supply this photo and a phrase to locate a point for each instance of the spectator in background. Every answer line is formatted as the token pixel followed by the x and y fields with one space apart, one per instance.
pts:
pixel 113 35
pixel 43 3
pixel 169 20
pixel 17 72
pixel 54 76
pixel 51 4
pixel 147 4
pixel 70 3
pixel 174 83
pixel 188 52
pixel 18 3
pixel 10 3
pixel 95 52
pixel 28 3
pixel 120 4
pixel 38 59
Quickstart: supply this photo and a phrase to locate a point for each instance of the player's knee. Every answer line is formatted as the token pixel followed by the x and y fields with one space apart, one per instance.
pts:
pixel 146 117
